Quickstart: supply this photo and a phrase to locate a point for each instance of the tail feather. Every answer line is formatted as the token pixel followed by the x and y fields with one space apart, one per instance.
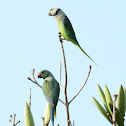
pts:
pixel 86 54
pixel 52 115
pixel 55 112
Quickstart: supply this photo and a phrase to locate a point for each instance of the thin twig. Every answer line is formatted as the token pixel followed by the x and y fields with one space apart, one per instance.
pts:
pixel 114 112
pixel 70 123
pixel 12 120
pixel 17 122
pixel 33 78
pixel 62 101
pixel 110 117
pixel 30 99
pixel 60 76
pixel 82 86
pixel 65 90
pixel 43 120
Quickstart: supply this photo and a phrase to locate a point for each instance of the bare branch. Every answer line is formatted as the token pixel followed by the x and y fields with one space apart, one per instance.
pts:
pixel 30 99
pixel 60 76
pixel 17 122
pixel 70 123
pixel 65 90
pixel 82 86
pixel 43 120
pixel 114 112
pixel 61 101
pixel 33 78
pixel 109 116
pixel 12 120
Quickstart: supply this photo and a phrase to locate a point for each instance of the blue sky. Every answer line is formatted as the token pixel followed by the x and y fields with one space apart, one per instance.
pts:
pixel 29 39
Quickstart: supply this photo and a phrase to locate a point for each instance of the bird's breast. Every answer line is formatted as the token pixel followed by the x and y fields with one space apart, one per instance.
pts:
pixel 63 30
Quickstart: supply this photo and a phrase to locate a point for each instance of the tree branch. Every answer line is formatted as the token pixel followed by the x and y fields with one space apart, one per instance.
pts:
pixel 29 104
pixel 62 101
pixel 82 86
pixel 114 112
pixel 12 120
pixel 33 78
pixel 43 120
pixel 60 76
pixel 65 90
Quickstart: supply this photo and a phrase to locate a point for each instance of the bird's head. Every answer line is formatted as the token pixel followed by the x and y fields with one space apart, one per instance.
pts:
pixel 54 11
pixel 43 74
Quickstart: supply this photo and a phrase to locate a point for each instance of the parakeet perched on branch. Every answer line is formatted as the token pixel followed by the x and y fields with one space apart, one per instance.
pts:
pixel 65 27
pixel 51 90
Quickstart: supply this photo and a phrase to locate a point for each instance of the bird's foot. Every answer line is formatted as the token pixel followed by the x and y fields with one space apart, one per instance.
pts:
pixel 59 34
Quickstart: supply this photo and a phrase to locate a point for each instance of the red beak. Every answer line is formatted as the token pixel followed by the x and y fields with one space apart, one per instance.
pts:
pixel 39 75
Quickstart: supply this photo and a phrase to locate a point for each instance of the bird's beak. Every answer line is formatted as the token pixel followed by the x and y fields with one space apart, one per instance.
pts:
pixel 39 75
pixel 50 14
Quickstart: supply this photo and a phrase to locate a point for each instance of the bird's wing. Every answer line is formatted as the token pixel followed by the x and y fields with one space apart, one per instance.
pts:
pixel 56 93
pixel 68 25
pixel 48 91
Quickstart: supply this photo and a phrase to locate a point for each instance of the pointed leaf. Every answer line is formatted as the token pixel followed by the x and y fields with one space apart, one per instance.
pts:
pixel 101 109
pixel 102 96
pixel 28 116
pixel 121 100
pixel 125 97
pixel 108 98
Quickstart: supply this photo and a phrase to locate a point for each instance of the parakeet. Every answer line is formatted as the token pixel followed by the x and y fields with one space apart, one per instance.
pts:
pixel 51 90
pixel 65 27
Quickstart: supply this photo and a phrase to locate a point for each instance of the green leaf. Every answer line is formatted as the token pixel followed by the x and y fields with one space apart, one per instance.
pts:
pixel 102 96
pixel 108 98
pixel 121 100
pixel 125 97
pixel 101 109
pixel 28 116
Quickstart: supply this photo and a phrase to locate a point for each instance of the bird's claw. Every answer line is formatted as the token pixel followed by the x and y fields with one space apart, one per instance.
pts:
pixel 59 33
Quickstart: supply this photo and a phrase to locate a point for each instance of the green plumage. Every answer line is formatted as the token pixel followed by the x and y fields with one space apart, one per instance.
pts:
pixel 65 27
pixel 51 91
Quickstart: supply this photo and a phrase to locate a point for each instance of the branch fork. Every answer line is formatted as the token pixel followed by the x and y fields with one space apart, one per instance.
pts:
pixel 12 120
pixel 66 102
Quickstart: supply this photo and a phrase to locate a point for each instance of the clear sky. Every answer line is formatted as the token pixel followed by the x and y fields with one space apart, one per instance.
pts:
pixel 29 39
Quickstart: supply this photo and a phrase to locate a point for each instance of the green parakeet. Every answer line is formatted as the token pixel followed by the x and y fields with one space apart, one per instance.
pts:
pixel 65 27
pixel 51 90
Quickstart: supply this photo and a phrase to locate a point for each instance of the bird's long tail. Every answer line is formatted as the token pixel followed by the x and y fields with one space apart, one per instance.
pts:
pixel 53 114
pixel 85 53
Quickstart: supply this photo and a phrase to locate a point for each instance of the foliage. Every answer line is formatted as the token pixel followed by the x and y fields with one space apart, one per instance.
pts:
pixel 109 103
